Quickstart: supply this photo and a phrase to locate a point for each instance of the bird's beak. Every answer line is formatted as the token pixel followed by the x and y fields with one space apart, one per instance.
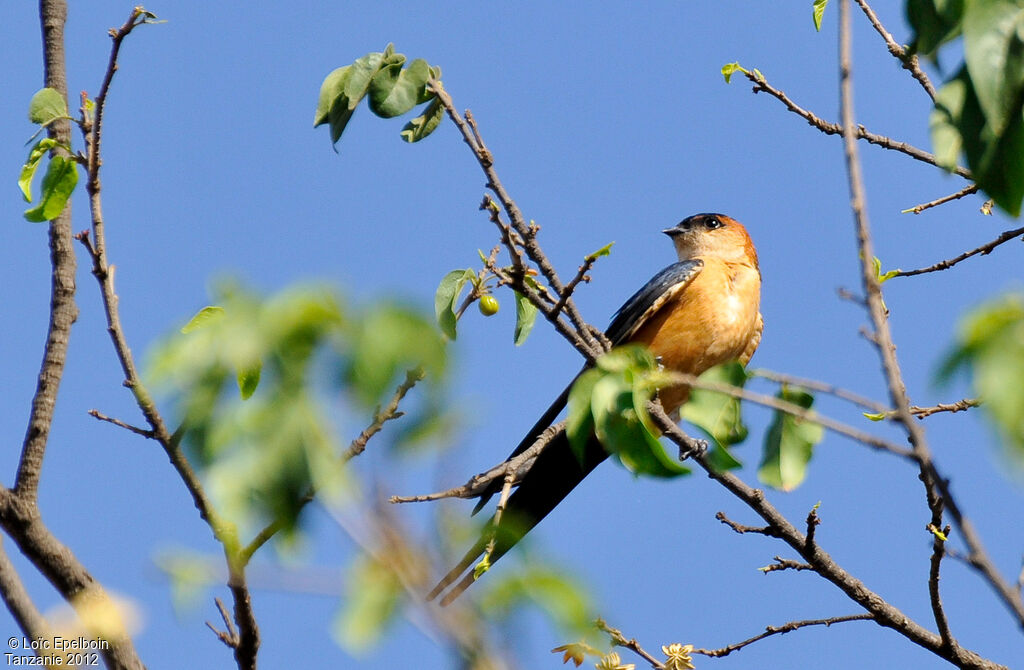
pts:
pixel 672 232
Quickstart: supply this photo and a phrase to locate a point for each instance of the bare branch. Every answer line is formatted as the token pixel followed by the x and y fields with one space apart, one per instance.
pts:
pixel 781 630
pixel 884 613
pixel 761 84
pixel 793 409
pixel 936 487
pixel 741 529
pixel 822 387
pixel 480 483
pixel 958 406
pixel 229 636
pixel 983 250
pixel 909 61
pixel 63 310
pixel 95 413
pixel 18 601
pixel 962 193
pixel 584 340
pixel 381 417
pixel 786 564
pixel 938 550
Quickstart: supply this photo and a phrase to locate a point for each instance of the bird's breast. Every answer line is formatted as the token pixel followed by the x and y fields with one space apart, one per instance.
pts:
pixel 713 320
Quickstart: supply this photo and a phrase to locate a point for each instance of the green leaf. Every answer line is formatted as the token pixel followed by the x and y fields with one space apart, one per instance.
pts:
pixel 373 595
pixel 526 315
pixel 203 317
pixel 58 183
pixel 993 52
pixel 606 250
pixel 332 88
pixel 46 106
pixel 818 11
pixel 875 416
pixel 394 91
pixel 446 296
pixel 424 124
pixel 28 170
pixel 729 69
pixel 789 444
pixel 718 414
pixel 249 379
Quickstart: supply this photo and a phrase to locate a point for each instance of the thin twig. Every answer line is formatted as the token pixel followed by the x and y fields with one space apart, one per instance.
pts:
pixel 18 601
pixel 781 630
pixel 822 387
pixel 793 409
pixel 741 529
pixel 786 564
pixel 229 636
pixel 938 550
pixel 380 417
pixel 909 61
pixel 480 483
pixel 958 406
pixel 983 250
pixel 962 193
pixel 117 422
pixel 761 84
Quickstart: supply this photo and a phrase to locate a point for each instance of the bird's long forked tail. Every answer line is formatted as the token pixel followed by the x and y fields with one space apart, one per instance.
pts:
pixel 553 475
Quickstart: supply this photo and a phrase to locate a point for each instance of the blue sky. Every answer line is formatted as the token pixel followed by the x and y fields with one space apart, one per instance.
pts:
pixel 606 125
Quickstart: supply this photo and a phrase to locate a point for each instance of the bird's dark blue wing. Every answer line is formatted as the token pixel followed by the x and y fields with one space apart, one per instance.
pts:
pixel 660 289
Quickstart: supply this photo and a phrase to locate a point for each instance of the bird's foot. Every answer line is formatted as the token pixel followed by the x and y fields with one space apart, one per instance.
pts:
pixel 692 448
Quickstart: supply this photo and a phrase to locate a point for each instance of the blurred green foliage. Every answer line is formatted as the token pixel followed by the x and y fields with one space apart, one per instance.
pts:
pixel 248 376
pixel 990 344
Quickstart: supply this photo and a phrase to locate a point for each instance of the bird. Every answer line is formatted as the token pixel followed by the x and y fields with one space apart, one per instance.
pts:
pixel 697 313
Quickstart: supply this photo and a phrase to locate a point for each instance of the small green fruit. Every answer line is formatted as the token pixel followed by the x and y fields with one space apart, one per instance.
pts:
pixel 488 305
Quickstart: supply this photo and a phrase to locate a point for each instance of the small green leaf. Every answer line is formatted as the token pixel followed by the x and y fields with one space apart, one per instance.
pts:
pixel 526 315
pixel 249 379
pixel 729 69
pixel 394 91
pixel 883 276
pixel 203 317
pixel 424 124
pixel 58 183
pixel 818 12
pixel 603 251
pixel 28 170
pixel 482 566
pixel 879 416
pixel 46 106
pixel 789 444
pixel 446 296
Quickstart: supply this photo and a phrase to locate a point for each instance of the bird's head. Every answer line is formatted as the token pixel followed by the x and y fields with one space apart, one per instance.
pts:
pixel 717 235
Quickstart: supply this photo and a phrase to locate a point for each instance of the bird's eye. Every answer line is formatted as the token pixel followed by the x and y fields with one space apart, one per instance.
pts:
pixel 711 223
